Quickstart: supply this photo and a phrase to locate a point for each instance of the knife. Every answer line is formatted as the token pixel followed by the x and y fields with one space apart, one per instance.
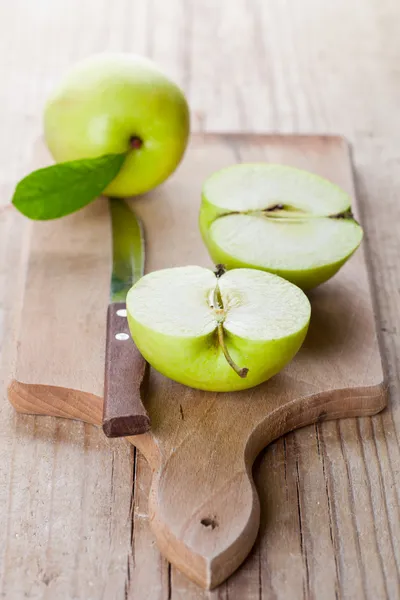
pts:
pixel 126 371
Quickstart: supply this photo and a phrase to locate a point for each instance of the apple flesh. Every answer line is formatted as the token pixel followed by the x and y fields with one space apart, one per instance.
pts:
pixel 220 334
pixel 112 103
pixel 278 219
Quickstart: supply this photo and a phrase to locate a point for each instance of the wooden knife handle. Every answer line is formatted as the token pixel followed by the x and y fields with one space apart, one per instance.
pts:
pixel 126 375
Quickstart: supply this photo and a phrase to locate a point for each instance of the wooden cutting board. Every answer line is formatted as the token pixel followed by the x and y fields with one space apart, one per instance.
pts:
pixel 203 505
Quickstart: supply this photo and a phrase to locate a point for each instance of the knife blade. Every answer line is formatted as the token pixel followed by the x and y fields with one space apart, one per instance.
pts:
pixel 126 371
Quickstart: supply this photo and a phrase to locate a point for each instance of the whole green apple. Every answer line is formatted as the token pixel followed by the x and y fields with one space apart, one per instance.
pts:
pixel 111 103
pixel 218 333
pixel 279 219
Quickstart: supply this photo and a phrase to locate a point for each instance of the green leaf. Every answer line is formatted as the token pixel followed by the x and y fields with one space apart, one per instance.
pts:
pixel 64 188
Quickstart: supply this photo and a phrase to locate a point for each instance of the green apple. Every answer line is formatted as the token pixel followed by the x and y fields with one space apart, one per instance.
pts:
pixel 111 103
pixel 217 331
pixel 279 219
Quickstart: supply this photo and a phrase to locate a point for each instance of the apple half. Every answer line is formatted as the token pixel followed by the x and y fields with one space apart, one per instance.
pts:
pixel 217 331
pixel 278 219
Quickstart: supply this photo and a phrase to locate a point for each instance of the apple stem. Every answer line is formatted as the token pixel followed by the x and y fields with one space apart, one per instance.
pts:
pixel 242 372
pixel 135 142
pixel 219 311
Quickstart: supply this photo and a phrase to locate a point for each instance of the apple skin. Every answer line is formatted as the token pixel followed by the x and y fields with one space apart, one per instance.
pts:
pixel 106 100
pixel 199 362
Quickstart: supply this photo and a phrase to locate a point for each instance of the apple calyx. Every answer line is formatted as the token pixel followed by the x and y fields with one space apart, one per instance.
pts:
pixel 220 314
pixel 135 142
pixel 347 214
pixel 219 270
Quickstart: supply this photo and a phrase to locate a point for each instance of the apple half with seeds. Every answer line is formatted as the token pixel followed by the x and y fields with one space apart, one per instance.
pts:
pixel 222 331
pixel 278 219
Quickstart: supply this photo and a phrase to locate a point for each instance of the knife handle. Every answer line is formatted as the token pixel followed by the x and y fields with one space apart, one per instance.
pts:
pixel 126 376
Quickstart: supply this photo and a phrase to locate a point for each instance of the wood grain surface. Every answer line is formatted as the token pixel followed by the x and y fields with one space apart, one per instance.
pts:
pixel 245 65
pixel 203 507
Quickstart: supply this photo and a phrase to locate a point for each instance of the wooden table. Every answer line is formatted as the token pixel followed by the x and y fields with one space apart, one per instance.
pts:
pixel 72 525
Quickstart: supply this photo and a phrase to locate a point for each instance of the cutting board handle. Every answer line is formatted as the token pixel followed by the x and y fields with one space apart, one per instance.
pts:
pixel 210 542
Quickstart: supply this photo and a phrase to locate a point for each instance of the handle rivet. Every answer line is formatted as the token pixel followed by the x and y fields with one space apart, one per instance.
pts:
pixel 121 336
pixel 121 312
